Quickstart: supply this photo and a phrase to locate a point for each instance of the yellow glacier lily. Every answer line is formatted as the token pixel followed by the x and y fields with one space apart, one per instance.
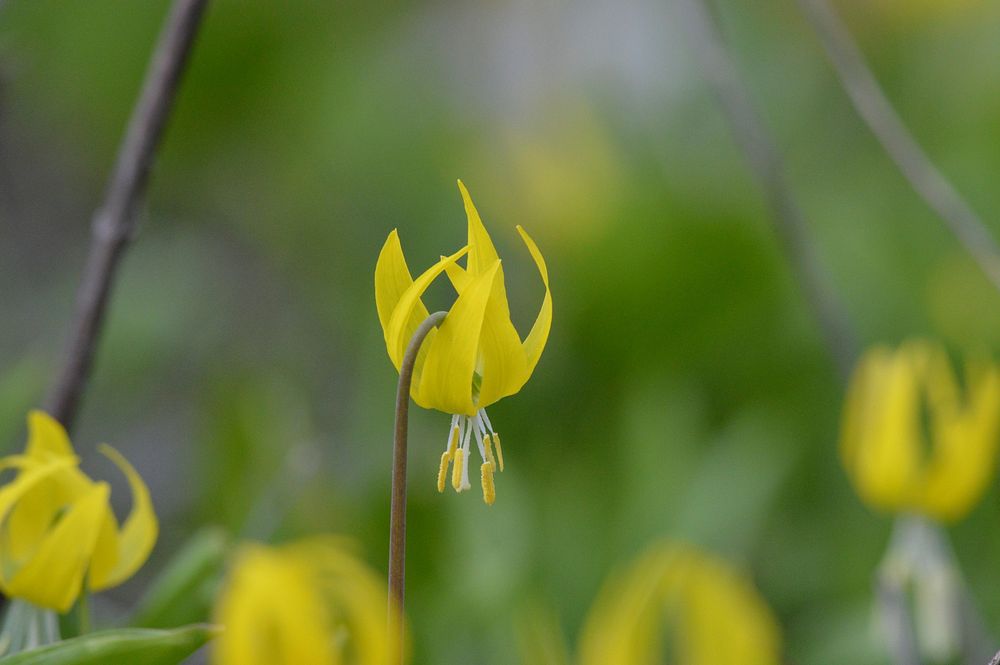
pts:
pixel 475 357
pixel 57 524
pixel 913 439
pixel 714 614
pixel 308 603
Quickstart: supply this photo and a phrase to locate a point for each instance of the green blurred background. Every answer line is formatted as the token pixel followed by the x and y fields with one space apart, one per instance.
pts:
pixel 685 391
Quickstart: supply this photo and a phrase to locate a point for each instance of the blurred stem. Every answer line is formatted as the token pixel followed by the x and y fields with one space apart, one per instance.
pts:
pixel 996 659
pixel 766 164
pixel 114 224
pixel 874 107
pixel 397 514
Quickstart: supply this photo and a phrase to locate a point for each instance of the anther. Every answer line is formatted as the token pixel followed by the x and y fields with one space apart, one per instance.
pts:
pixel 489 491
pixel 489 453
pixel 443 471
pixel 456 471
pixel 496 442
pixel 452 442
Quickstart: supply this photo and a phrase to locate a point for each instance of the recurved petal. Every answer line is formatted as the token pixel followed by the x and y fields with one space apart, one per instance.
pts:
pixel 504 363
pixel 882 444
pixel 403 323
pixel 458 276
pixel 36 511
pixel 138 533
pixel 392 279
pixel 47 437
pixel 53 576
pixel 482 253
pixel 534 343
pixel 32 478
pixel 446 381
pixel 963 460
pixel 272 614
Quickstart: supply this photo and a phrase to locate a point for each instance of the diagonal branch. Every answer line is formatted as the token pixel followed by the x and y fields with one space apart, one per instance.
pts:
pixel 114 223
pixel 766 164
pixel 874 107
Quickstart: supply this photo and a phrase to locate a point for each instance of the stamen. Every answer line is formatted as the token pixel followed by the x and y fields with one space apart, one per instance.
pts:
pixel 489 491
pixel 486 419
pixel 456 471
pixel 443 470
pixel 453 442
pixel 489 453
pixel 465 472
pixel 496 442
pixel 478 431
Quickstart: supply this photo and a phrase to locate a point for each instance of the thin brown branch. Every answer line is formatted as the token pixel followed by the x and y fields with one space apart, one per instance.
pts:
pixel 766 164
pixel 996 659
pixel 397 514
pixel 114 223
pixel 872 104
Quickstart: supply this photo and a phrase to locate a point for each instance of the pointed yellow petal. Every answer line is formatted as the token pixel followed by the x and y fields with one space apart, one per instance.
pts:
pixel 403 323
pixel 963 459
pixel 138 533
pixel 47 437
pixel 482 254
pixel 32 486
pixel 273 614
pixel 503 364
pixel 53 576
pixel 36 511
pixel 392 279
pixel 458 276
pixel 881 444
pixel 534 343
pixel 446 382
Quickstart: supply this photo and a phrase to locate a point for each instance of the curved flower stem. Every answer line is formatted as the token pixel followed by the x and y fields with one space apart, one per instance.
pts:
pixel 397 514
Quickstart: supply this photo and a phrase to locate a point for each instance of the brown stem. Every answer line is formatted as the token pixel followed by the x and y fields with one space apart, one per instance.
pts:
pixel 397 514
pixel 115 221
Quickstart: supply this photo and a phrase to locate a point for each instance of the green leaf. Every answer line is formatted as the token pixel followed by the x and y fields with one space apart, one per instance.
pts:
pixel 183 592
pixel 122 646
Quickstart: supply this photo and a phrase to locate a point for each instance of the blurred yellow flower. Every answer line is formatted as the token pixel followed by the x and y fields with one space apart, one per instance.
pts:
pixel 308 603
pixel 915 440
pixel 675 595
pixel 58 525
pixel 475 357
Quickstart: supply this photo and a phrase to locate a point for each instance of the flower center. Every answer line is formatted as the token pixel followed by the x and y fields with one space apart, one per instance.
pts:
pixel 458 452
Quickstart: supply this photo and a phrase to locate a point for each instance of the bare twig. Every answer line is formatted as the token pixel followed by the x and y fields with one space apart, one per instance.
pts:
pixel 397 515
pixel 830 313
pixel 114 223
pixel 766 164
pixel 882 119
pixel 996 659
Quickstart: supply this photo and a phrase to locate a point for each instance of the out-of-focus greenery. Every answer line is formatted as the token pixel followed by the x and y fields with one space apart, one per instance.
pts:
pixel 685 391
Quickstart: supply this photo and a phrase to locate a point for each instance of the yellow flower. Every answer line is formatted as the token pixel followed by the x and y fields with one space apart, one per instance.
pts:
pixel 714 614
pixel 913 438
pixel 307 603
pixel 58 526
pixel 475 357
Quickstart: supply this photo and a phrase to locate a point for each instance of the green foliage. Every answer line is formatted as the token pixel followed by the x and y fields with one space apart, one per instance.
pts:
pixel 185 590
pixel 122 646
